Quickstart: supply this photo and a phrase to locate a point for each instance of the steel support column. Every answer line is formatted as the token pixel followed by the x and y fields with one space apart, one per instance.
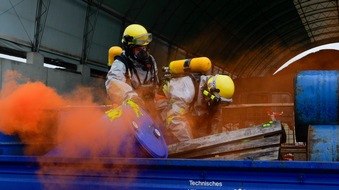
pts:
pixel 90 22
pixel 40 21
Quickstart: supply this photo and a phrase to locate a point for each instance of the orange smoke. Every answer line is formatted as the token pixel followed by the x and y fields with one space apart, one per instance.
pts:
pixel 44 120
pixel 28 110
pixel 26 107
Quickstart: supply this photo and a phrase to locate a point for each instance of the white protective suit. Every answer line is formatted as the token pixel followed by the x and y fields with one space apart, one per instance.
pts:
pixel 182 102
pixel 138 84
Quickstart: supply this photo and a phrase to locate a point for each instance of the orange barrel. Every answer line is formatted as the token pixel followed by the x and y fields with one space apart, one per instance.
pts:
pixel 194 65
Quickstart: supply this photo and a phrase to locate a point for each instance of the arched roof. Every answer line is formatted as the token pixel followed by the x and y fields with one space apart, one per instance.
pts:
pixel 243 37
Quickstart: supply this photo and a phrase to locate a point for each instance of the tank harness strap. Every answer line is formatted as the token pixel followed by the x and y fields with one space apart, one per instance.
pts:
pixel 126 61
pixel 196 82
pixel 130 68
pixel 187 65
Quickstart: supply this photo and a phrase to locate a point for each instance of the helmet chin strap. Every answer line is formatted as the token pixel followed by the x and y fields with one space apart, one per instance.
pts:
pixel 214 96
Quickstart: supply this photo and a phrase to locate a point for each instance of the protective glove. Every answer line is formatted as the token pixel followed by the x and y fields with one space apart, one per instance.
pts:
pixel 137 100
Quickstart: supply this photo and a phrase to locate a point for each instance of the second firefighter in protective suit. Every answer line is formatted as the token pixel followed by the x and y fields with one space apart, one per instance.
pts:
pixel 194 104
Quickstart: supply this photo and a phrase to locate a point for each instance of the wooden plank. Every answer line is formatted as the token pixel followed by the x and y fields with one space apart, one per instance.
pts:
pixel 225 137
pixel 235 146
pixel 271 153
pixel 259 105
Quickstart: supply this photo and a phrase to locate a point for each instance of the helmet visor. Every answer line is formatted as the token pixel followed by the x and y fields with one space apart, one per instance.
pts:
pixel 143 39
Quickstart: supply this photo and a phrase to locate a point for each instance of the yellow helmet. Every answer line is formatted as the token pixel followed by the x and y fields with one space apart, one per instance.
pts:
pixel 135 34
pixel 112 52
pixel 222 84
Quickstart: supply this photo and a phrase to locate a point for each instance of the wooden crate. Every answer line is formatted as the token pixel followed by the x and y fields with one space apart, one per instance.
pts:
pixel 261 142
pixel 298 152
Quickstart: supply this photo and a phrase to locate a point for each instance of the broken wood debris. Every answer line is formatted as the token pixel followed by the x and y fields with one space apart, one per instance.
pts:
pixel 260 142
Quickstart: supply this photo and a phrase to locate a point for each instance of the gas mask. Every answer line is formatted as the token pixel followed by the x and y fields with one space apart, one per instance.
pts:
pixel 137 46
pixel 141 54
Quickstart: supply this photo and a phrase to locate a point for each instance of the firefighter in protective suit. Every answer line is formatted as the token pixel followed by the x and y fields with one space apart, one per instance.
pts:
pixel 198 97
pixel 133 74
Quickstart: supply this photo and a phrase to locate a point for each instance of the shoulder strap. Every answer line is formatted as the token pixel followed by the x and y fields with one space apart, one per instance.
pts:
pixel 130 69
pixel 126 61
pixel 154 71
pixel 196 81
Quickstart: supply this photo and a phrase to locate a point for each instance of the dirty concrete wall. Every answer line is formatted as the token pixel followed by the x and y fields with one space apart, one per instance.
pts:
pixel 61 80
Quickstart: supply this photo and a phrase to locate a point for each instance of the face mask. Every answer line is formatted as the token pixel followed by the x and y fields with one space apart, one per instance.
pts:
pixel 141 54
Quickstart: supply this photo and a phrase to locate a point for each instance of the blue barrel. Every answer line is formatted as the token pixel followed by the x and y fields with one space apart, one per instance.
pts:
pixel 323 143
pixel 316 100
pixel 11 145
pixel 129 132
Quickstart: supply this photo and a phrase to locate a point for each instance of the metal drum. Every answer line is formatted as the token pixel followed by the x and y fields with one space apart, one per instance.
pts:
pixel 128 132
pixel 11 145
pixel 316 100
pixel 323 143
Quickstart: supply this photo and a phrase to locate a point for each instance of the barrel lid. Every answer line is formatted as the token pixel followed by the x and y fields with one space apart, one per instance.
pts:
pixel 149 136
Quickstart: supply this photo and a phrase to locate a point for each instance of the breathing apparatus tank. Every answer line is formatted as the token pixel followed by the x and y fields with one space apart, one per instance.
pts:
pixel 112 52
pixel 194 65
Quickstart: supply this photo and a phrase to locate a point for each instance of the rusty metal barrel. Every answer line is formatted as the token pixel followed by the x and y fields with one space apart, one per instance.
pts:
pixel 323 143
pixel 316 100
